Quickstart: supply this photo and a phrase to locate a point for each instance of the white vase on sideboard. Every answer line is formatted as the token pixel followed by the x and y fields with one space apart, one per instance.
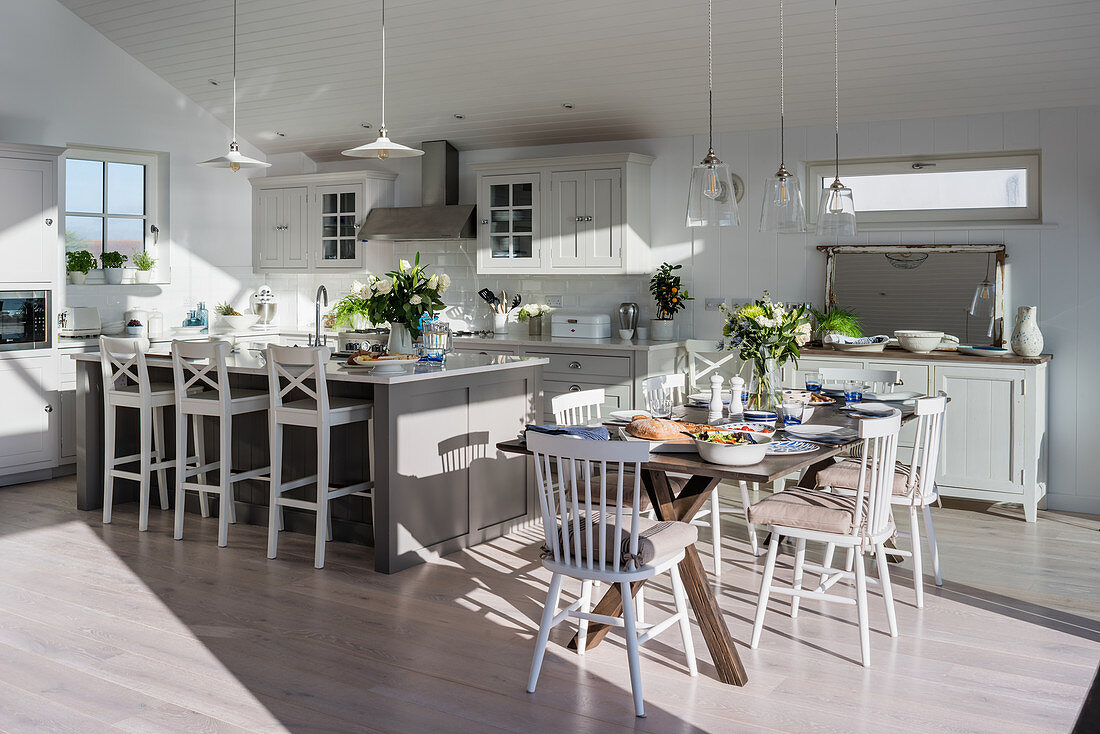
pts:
pixel 1027 340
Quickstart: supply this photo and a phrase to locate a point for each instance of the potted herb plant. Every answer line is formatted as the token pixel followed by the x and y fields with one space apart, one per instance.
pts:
pixel 144 262
pixel 836 320
pixel 767 335
pixel 669 294
pixel 112 266
pixel 134 327
pixel 77 264
pixel 532 313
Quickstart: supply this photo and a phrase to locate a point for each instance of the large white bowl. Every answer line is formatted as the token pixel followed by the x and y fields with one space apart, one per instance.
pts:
pixel 734 454
pixel 235 323
pixel 920 342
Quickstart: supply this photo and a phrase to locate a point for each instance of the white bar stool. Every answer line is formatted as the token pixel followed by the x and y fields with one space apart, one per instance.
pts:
pixel 126 384
pixel 317 410
pixel 202 389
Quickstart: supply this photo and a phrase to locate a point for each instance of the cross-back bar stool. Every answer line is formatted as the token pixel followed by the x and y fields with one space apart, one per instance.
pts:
pixel 126 384
pixel 202 390
pixel 293 402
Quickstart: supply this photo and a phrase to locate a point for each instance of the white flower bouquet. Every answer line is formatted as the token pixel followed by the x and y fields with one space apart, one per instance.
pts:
pixel 402 296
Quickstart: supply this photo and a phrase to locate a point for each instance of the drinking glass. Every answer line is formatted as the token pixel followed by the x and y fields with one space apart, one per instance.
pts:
pixel 659 403
pixel 813 383
pixel 791 413
pixel 853 391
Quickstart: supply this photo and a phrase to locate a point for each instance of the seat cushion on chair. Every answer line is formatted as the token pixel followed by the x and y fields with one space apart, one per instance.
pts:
pixel 808 509
pixel 657 540
pixel 845 475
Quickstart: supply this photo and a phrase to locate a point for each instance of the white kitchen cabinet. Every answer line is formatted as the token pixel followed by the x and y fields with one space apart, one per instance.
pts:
pixel 310 222
pixel 28 440
pixel 30 247
pixel 587 215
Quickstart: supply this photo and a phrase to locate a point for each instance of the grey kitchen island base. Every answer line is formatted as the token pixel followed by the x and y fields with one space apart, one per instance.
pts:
pixel 441 484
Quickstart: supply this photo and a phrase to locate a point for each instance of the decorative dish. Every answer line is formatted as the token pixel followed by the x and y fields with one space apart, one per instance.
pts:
pixel 731 448
pixel 898 396
pixel 788 448
pixel 985 351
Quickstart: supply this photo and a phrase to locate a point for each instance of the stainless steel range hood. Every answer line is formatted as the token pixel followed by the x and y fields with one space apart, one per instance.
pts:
pixel 440 217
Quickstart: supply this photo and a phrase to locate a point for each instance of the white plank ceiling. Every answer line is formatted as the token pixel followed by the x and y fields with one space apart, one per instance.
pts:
pixel 631 68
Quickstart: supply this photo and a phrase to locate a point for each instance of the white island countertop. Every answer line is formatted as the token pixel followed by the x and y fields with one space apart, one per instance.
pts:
pixel 249 362
pixel 520 339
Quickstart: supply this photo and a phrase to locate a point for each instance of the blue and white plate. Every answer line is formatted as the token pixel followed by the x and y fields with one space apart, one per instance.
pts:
pixel 761 416
pixel 791 447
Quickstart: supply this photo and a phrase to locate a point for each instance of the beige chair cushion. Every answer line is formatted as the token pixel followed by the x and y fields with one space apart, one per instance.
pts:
pixel 657 540
pixel 845 475
pixel 808 509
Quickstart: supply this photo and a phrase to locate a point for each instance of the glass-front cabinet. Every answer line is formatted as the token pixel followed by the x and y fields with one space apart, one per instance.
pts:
pixel 508 228
pixel 341 213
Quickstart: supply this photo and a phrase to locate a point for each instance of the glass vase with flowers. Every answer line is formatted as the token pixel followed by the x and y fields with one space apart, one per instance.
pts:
pixel 767 335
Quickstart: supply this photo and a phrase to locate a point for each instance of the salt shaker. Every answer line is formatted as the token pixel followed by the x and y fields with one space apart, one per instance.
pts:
pixel 714 409
pixel 737 386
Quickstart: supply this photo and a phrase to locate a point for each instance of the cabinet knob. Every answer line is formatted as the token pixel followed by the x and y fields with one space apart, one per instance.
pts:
pixel 574 365
pixel 574 388
pixel 484 221
pixel 588 219
pixel 580 219
pixel 49 222
pixel 49 408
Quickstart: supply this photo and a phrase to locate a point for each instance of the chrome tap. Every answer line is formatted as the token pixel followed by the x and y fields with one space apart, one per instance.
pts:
pixel 318 338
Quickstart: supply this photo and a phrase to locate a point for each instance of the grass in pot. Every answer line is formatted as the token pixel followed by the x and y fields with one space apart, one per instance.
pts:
pixel 113 269
pixel 77 264
pixel 669 295
pixel 144 262
pixel 836 320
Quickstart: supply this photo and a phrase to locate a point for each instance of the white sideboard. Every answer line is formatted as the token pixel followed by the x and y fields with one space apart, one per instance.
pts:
pixel 995 429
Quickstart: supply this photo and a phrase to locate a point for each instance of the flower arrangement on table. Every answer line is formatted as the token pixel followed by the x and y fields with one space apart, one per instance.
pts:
pixel 532 313
pixel 400 297
pixel 766 334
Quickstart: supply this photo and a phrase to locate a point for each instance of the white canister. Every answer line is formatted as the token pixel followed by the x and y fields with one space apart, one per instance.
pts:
pixel 500 323
pixel 1027 340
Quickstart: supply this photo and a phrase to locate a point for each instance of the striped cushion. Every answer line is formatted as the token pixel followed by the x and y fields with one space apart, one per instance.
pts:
pixel 845 475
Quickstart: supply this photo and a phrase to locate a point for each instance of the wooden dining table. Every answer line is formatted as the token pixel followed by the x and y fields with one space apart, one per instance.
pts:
pixel 685 504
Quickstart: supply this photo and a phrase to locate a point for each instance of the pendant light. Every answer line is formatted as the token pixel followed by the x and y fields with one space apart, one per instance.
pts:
pixel 712 199
pixel 783 210
pixel 234 160
pixel 383 148
pixel 982 305
pixel 836 217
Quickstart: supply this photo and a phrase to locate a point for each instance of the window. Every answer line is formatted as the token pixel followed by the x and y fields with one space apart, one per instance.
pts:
pixel 110 201
pixel 986 188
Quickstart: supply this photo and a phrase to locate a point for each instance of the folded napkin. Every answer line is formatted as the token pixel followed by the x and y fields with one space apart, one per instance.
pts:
pixel 591 433
pixel 863 340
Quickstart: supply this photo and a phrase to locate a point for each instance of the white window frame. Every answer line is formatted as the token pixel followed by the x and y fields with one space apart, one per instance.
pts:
pixel 156 246
pixel 820 173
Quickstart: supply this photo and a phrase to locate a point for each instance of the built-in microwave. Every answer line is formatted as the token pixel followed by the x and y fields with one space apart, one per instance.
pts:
pixel 24 320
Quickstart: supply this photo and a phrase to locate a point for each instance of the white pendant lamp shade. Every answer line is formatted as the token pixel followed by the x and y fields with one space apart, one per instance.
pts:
pixel 234 160
pixel 836 216
pixel 712 200
pixel 782 210
pixel 383 147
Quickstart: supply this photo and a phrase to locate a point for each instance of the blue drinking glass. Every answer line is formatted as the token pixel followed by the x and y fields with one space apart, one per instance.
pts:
pixel 813 384
pixel 853 392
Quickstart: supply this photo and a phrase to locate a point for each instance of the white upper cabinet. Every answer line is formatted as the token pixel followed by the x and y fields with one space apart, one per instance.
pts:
pixel 309 222
pixel 585 214
pixel 29 242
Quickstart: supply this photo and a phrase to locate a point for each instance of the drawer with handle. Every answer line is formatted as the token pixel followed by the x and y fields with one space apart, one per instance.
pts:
pixel 616 397
pixel 578 366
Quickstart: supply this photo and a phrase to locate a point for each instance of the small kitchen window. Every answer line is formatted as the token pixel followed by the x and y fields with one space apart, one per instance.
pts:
pixel 970 189
pixel 110 201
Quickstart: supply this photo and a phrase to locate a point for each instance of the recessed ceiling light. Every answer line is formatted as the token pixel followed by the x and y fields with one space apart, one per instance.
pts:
pixel 567 105
pixel 215 82
pixel 365 125
pixel 460 116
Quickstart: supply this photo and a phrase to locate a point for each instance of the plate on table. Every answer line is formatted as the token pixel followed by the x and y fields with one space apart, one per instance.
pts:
pixel 813 431
pixel 870 409
pixel 984 351
pixel 897 396
pixel 627 416
pixel 786 448
pixel 702 399
pixel 746 427
pixel 686 445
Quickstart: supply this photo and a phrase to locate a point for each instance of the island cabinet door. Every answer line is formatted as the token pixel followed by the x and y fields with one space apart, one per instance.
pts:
pixel 500 489
pixel 983 431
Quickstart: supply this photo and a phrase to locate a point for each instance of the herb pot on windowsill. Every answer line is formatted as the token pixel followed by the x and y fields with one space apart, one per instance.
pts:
pixel 143 276
pixel 77 278
pixel 663 330
pixel 114 276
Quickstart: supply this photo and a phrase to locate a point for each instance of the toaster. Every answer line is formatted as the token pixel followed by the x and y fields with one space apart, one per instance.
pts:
pixel 79 321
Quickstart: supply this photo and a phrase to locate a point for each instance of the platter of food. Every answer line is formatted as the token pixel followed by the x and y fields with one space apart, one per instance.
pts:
pixel 381 363
pixel 664 436
pixel 806 397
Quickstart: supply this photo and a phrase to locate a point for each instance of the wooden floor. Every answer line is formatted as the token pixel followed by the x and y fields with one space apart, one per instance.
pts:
pixel 103 628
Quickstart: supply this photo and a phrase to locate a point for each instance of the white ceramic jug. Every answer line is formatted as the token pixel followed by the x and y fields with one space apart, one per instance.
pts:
pixel 1027 340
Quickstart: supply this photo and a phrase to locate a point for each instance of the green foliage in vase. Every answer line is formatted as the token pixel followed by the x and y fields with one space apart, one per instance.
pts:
pixel 113 259
pixel 79 261
pixel 667 291
pixel 837 320
pixel 401 297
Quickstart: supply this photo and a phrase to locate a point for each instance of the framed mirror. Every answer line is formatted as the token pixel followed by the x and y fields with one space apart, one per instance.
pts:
pixel 956 289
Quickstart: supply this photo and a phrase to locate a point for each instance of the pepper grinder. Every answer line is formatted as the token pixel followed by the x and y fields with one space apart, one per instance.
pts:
pixel 737 386
pixel 714 409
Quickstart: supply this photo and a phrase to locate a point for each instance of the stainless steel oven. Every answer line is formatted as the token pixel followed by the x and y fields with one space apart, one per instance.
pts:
pixel 24 320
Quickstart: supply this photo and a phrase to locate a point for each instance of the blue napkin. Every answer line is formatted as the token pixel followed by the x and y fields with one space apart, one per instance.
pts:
pixel 591 433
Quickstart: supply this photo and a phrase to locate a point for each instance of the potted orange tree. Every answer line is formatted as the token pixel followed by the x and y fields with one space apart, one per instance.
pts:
pixel 669 295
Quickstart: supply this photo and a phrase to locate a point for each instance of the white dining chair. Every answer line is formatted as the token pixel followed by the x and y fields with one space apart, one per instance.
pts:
pixel 126 384
pixel 293 402
pixel 578 407
pixel 914 487
pixel 589 493
pixel 862 522
pixel 202 390
pixel 703 358
pixel 877 380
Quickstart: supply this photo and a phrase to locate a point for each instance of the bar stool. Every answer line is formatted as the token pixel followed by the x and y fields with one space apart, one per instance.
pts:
pixel 126 384
pixel 202 389
pixel 318 410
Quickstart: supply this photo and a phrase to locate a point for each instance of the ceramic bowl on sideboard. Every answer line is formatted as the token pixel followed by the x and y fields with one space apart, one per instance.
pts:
pixel 920 342
pixel 240 322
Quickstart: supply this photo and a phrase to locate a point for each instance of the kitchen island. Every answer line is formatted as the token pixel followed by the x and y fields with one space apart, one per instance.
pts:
pixel 440 483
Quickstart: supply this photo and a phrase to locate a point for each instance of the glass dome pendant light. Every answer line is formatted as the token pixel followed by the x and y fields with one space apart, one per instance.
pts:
pixel 234 160
pixel 836 217
pixel 383 147
pixel 982 305
pixel 783 210
pixel 712 200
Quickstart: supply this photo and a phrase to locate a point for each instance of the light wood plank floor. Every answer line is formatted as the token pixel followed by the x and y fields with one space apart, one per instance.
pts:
pixel 103 628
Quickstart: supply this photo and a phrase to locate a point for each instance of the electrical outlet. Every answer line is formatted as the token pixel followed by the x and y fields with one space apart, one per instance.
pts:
pixel 714 304
pixel 554 301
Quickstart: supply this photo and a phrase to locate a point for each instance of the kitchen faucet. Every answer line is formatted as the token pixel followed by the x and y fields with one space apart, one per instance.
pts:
pixel 318 338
